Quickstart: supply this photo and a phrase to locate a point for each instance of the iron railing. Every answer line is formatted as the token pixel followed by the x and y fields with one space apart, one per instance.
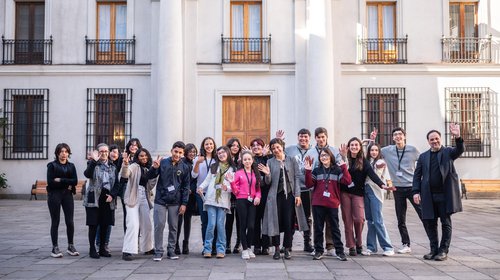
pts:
pixel 26 51
pixel 246 50
pixel 110 51
pixel 466 50
pixel 384 50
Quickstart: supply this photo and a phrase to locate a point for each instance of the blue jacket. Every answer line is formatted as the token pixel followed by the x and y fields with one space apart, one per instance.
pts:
pixel 173 184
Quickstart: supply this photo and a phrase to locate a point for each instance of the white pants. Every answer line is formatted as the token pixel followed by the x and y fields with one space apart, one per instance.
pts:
pixel 138 221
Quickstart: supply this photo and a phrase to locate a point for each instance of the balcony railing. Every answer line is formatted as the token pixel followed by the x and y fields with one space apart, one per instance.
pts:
pixel 246 50
pixel 110 51
pixel 466 50
pixel 26 51
pixel 384 50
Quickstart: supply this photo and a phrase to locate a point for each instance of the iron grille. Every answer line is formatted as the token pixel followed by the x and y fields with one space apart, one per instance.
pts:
pixel 383 109
pixel 246 50
pixel 26 51
pixel 110 51
pixel 26 117
pixel 384 50
pixel 466 50
pixel 109 116
pixel 470 108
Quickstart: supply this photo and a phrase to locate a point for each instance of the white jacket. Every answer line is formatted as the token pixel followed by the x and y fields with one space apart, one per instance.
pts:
pixel 208 187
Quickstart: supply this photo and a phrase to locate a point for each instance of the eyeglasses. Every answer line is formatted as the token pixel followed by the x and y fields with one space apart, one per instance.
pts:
pixel 324 156
pixel 104 152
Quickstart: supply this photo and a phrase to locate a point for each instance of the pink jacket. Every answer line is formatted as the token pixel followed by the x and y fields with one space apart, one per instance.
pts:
pixel 240 186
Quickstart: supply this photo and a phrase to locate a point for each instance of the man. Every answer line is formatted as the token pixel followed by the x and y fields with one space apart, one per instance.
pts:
pixel 299 152
pixel 172 193
pixel 437 190
pixel 321 137
pixel 400 159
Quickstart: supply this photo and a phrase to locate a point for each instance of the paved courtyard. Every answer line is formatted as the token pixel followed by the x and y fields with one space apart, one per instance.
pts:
pixel 25 252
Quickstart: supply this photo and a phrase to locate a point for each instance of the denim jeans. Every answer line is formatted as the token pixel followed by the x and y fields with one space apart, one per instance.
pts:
pixel 375 222
pixel 216 218
pixel 203 216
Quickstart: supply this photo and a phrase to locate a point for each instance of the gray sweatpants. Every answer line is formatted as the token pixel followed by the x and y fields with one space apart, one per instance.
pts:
pixel 159 219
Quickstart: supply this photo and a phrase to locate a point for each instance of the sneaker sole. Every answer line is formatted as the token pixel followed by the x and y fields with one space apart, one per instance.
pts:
pixel 73 253
pixel 60 255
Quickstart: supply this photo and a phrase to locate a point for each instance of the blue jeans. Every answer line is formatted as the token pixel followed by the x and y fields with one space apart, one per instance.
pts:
pixel 375 222
pixel 203 216
pixel 216 218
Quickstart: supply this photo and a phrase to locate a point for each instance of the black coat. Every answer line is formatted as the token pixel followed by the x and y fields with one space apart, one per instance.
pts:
pixel 446 157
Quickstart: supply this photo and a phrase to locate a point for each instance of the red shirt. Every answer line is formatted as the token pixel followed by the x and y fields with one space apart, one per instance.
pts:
pixel 326 181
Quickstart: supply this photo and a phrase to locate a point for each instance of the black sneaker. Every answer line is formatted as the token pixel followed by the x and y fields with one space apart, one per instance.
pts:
pixel 172 256
pixel 236 249
pixel 265 251
pixel 341 256
pixel 277 255
pixel 430 256
pixel 150 252
pixel 228 250
pixel 318 256
pixel 72 251
pixel 157 257
pixel 177 250
pixel 93 253
pixel 287 254
pixel 308 248
pixel 127 257
pixel 257 251
pixel 353 252
pixel 56 253
pixel 359 250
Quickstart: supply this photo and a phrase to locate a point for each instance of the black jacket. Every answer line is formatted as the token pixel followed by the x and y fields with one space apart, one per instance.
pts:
pixel 359 179
pixel 67 173
pixel 177 176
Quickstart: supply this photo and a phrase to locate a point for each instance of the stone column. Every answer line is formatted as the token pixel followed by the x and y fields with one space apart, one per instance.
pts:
pixel 170 79
pixel 319 75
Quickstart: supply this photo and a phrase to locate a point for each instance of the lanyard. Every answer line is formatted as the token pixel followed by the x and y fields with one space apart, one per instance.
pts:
pixel 327 177
pixel 249 181
pixel 302 154
pixel 400 158
pixel 208 164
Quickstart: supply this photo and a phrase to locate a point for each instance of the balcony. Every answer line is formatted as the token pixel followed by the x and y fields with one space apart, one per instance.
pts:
pixel 26 51
pixel 466 50
pixel 110 51
pixel 384 50
pixel 246 50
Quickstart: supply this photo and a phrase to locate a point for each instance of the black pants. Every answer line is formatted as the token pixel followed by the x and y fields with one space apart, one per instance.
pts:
pixel 124 215
pixel 322 214
pixel 400 197
pixel 187 226
pixel 229 227
pixel 439 204
pixel 260 240
pixel 306 204
pixel 286 208
pixel 246 212
pixel 55 200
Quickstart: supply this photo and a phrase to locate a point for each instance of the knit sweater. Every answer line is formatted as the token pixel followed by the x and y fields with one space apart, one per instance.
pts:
pixel 406 167
pixel 328 180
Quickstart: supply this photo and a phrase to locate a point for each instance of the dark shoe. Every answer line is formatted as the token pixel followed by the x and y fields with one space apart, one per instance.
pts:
pixel 127 257
pixel 106 247
pixel 341 256
pixel 172 256
pixel 277 255
pixel 177 250
pixel 265 252
pixel 287 254
pixel 308 248
pixel 430 256
pixel 157 257
pixel 72 251
pixel 236 249
pixel 56 253
pixel 318 256
pixel 228 250
pixel 359 250
pixel 150 252
pixel 185 247
pixel 442 256
pixel 257 251
pixel 104 253
pixel 353 252
pixel 93 253
pixel 282 250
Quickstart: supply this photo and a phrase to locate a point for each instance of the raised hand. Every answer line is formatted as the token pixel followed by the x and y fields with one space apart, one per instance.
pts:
pixel 266 150
pixel 343 150
pixel 280 134
pixel 264 168
pixel 246 148
pixel 126 158
pixel 200 159
pixel 156 163
pixel 455 130
pixel 229 176
pixel 373 134
pixel 308 163
pixel 94 155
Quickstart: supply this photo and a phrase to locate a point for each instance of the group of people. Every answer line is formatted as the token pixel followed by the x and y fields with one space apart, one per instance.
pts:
pixel 268 190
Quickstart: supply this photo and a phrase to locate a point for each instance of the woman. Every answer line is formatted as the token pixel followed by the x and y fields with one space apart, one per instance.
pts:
pixel 217 186
pixel 374 200
pixel 137 197
pixel 98 197
pixel 61 183
pixel 133 145
pixel 246 188
pixel 190 153
pixel 234 146
pixel 325 181
pixel 283 175
pixel 201 168
pixel 130 150
pixel 352 201
pixel 260 153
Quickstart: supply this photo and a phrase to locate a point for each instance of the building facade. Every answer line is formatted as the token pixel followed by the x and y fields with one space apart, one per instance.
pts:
pixel 91 71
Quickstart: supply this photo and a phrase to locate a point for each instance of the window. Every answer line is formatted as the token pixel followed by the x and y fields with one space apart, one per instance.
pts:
pixel 109 115
pixel 383 109
pixel 246 31
pixel 470 108
pixel 463 20
pixel 30 28
pixel 26 119
pixel 112 31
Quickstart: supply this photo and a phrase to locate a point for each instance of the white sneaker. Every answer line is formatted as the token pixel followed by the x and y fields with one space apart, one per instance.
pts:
pixel 245 255
pixel 405 250
pixel 367 252
pixel 313 253
pixel 390 252
pixel 331 252
pixel 251 254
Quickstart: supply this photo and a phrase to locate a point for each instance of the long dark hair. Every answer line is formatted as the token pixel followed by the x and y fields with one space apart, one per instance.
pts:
pixel 230 143
pixel 187 149
pixel 330 154
pixel 130 142
pixel 357 162
pixel 379 156
pixel 254 167
pixel 213 168
pixel 149 163
pixel 203 152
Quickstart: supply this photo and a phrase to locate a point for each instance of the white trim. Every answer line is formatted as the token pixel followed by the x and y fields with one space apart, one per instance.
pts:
pixel 428 69
pixel 220 93
pixel 74 70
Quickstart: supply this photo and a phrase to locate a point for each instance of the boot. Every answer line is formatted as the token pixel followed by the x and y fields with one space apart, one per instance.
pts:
pixel 93 253
pixel 185 247
pixel 177 250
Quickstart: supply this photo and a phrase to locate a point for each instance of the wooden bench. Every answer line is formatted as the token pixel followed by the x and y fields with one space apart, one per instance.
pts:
pixel 480 188
pixel 40 188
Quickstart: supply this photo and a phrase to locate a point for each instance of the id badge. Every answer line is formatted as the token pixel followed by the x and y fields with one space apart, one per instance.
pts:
pixel 351 185
pixel 399 173
pixel 326 194
pixel 218 186
pixel 250 199
pixel 171 188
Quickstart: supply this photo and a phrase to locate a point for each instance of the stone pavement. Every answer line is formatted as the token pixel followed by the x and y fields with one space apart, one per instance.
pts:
pixel 25 252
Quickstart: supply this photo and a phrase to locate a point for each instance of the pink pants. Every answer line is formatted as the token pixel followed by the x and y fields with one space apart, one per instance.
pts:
pixel 353 214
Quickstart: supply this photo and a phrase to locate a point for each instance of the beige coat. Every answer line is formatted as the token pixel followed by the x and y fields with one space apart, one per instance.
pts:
pixel 133 174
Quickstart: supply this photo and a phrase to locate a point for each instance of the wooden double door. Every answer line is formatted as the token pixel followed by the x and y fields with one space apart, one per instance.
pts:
pixel 246 117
